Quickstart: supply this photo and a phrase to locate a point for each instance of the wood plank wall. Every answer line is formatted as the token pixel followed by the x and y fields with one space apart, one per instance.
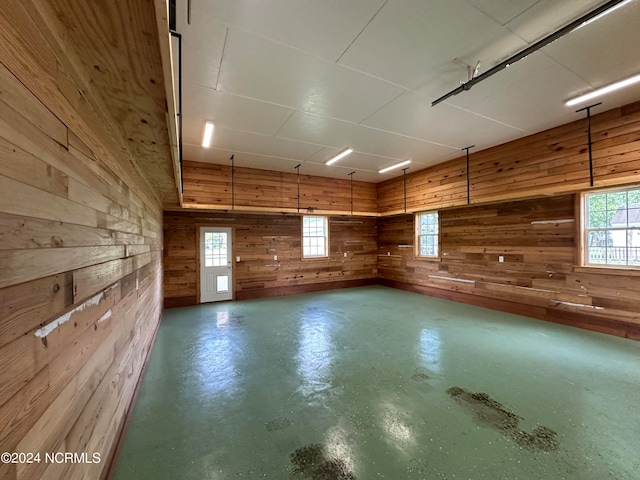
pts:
pixel 538 278
pixel 209 186
pixel 551 162
pixel 80 253
pixel 257 238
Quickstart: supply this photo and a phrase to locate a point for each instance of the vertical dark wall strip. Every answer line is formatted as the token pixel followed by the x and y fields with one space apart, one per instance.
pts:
pixel 233 183
pixel 172 14
pixel 404 184
pixel 179 114
pixel 588 109
pixel 468 182
pixel 297 167
pixel 351 187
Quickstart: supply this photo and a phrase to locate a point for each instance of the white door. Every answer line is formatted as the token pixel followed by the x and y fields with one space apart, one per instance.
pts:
pixel 215 264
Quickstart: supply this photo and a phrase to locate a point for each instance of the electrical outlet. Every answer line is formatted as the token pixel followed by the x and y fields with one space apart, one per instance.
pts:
pixel 275 257
pixel 345 254
pixel 237 259
pixel 500 258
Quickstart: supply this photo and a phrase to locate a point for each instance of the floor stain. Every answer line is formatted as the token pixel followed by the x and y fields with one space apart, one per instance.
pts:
pixel 311 462
pixel 420 376
pixel 278 424
pixel 493 413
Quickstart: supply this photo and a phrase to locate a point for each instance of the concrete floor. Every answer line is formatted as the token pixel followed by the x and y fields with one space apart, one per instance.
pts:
pixel 373 382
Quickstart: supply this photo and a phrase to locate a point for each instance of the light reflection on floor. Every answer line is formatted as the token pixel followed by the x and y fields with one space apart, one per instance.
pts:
pixel 356 382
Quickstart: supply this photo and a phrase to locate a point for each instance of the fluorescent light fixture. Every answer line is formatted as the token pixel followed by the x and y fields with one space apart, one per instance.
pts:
pixel 208 134
pixel 601 91
pixel 397 165
pixel 342 154
pixel 606 12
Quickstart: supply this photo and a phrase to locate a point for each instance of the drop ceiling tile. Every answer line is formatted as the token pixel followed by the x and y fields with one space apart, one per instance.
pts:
pixel 516 74
pixel 547 16
pixel 409 40
pixel 535 103
pixel 311 128
pixel 360 175
pixel 503 11
pixel 258 68
pixel 419 151
pixel 239 141
pixel 324 28
pixel 275 163
pixel 362 161
pixel 227 111
pixel 588 51
pixel 317 169
pixel 202 47
pixel 444 124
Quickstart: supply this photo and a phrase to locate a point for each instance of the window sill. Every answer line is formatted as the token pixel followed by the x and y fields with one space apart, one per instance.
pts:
pixel 610 270
pixel 428 259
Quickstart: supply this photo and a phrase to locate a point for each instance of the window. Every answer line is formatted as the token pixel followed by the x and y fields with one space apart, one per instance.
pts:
pixel 315 235
pixel 427 234
pixel 611 233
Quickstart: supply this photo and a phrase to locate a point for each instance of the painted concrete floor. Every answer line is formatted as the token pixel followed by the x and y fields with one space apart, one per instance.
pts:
pixel 372 383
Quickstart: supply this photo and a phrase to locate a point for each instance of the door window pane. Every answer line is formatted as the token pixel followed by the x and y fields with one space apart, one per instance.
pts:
pixel 215 249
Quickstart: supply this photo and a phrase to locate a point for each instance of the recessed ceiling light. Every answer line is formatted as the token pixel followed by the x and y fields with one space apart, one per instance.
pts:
pixel 342 154
pixel 601 91
pixel 397 165
pixel 208 134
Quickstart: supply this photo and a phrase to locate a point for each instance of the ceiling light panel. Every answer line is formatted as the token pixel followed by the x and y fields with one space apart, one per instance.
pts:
pixel 393 167
pixel 627 82
pixel 339 156
pixel 208 134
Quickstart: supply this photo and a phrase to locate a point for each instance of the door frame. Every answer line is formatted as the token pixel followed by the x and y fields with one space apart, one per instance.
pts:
pixel 199 227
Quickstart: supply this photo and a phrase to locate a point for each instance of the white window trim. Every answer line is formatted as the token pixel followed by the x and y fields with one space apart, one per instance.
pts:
pixel 583 234
pixel 416 225
pixel 326 238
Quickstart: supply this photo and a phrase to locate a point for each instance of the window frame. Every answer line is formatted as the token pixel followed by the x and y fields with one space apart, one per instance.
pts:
pixel 584 229
pixel 417 235
pixel 326 238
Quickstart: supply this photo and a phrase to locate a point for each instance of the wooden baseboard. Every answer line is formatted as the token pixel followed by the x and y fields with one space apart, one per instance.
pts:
pixel 597 324
pixel 180 301
pixel 114 453
pixel 312 287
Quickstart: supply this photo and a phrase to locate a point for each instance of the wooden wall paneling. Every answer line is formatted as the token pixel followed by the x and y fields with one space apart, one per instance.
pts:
pixel 539 276
pixel 257 238
pixel 209 186
pixel 548 163
pixel 80 235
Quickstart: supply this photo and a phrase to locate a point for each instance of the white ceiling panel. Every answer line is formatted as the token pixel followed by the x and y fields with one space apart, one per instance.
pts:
pixel 588 51
pixel 239 141
pixel 273 77
pixel 514 75
pixel 512 106
pixel 409 39
pixel 360 175
pixel 503 11
pixel 202 47
pixel 413 115
pixel 547 16
pixel 258 68
pixel 324 28
pixel 306 127
pixel 229 111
